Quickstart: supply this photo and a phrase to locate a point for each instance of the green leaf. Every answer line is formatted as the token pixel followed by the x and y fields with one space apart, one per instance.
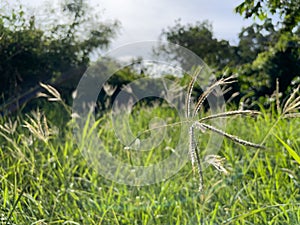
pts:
pixel 240 8
pixel 262 16
pixel 290 150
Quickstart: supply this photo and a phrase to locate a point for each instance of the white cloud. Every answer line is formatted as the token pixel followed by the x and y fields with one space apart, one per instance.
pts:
pixel 144 19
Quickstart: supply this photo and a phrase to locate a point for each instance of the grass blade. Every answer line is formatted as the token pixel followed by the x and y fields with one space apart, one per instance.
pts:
pixel 289 149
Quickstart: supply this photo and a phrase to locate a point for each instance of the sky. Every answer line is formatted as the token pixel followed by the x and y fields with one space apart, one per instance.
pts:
pixel 143 20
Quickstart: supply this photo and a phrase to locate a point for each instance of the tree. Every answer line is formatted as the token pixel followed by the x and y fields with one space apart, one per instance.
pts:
pixel 255 39
pixel 33 52
pixel 280 62
pixel 287 10
pixel 199 39
pixel 267 51
pixel 275 54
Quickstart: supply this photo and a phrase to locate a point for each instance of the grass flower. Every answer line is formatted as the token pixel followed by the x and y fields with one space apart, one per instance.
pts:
pixel 201 125
pixel 38 126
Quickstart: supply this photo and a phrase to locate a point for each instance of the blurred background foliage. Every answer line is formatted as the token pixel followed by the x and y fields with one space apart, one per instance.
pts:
pixel 55 51
pixel 58 51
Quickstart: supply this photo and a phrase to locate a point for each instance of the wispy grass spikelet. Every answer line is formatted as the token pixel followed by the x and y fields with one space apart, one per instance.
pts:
pixel 292 105
pixel 53 96
pixel 231 113
pixel 232 137
pixel 210 89
pixel 38 126
pixel 217 162
pixel 190 90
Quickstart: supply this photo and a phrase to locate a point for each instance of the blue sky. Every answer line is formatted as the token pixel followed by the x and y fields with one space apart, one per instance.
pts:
pixel 144 19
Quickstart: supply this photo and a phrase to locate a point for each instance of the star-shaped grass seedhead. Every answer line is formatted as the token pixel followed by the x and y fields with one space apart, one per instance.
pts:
pixel 200 124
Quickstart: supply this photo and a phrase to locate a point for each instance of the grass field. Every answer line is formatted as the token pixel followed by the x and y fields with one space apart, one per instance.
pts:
pixel 44 178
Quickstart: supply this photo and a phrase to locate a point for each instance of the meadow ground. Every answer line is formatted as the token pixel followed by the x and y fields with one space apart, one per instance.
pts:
pixel 44 178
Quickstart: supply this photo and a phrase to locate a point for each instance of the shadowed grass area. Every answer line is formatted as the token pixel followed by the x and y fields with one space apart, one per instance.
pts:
pixel 44 179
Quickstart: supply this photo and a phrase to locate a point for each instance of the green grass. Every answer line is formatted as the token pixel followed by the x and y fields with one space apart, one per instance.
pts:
pixel 46 180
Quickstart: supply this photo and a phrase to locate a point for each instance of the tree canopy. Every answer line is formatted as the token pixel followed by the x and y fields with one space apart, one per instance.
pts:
pixel 267 51
pixel 33 51
pixel 288 11
pixel 199 38
pixel 280 56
